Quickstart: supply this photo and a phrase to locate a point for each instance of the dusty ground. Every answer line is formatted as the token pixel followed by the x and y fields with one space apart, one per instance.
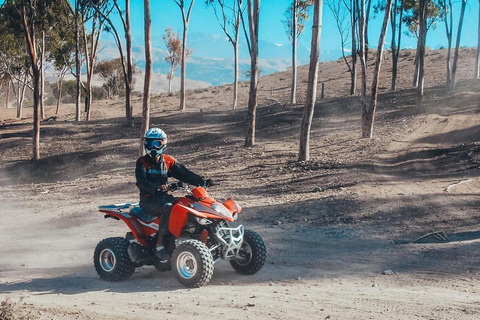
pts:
pixel 332 225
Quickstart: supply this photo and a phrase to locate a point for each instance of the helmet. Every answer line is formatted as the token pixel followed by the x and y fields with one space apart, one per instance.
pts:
pixel 155 142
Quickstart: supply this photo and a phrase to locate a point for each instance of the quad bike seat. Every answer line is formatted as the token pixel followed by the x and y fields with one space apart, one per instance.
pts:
pixel 139 213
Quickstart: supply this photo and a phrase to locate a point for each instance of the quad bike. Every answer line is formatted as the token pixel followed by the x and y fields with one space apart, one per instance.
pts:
pixel 200 236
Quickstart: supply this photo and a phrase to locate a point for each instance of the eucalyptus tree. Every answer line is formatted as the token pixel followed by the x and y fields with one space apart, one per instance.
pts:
pixel 229 16
pixel 253 24
pixel 457 46
pixel 186 20
pixel 296 16
pixel 148 73
pixel 368 114
pixel 304 150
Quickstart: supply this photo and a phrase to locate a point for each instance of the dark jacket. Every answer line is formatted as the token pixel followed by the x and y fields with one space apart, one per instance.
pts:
pixel 151 174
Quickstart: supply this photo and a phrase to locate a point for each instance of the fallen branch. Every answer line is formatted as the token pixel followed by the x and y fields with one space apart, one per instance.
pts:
pixel 447 189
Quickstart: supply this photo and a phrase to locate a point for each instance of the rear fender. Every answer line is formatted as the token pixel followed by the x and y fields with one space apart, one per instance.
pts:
pixel 131 222
pixel 179 218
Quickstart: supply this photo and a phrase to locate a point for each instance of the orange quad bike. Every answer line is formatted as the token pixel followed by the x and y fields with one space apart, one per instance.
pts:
pixel 201 234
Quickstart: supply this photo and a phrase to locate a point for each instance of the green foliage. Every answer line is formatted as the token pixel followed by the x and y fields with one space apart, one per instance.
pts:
pixel 410 17
pixel 112 73
pixel 303 16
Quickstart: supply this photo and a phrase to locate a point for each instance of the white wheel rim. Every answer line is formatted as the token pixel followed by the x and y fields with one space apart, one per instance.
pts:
pixel 244 255
pixel 107 260
pixel 187 265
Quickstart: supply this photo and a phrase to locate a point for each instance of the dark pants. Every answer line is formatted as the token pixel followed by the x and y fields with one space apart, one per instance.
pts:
pixel 159 207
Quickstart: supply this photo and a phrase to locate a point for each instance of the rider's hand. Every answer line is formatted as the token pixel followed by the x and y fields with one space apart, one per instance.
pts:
pixel 162 188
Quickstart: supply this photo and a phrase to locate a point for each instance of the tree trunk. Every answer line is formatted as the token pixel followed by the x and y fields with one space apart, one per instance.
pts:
pixel 78 66
pixel 304 151
pixel 129 84
pixel 368 115
pixel 170 79
pixel 367 20
pixel 457 47
pixel 42 78
pixel 353 73
pixel 235 80
pixel 184 66
pixel 59 97
pixel 448 29
pixel 293 99
pixel 363 62
pixel 393 45
pixel 253 22
pixel 417 69
pixel 423 6
pixel 148 75
pixel 7 100
pixel 477 60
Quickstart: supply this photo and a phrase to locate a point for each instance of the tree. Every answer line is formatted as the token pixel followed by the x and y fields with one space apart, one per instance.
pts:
pixel 253 24
pixel 363 62
pixel 230 19
pixel 304 151
pixel 422 21
pixel 186 21
pixel 112 73
pixel 447 16
pixel 341 11
pixel 62 53
pixel 148 74
pixel 397 11
pixel 173 54
pixel 368 115
pixel 411 18
pixel 457 46
pixel 96 11
pixel 296 16
pixel 127 64
pixel 477 59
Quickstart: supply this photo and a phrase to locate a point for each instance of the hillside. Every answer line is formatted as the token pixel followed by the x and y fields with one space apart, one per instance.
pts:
pixel 332 225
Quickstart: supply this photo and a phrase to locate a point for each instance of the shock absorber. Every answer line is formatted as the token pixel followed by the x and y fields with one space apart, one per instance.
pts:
pixel 204 236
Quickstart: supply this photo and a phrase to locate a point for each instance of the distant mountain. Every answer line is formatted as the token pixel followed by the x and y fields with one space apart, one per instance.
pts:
pixel 211 62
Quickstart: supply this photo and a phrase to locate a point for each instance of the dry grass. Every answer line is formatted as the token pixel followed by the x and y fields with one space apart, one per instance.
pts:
pixel 10 310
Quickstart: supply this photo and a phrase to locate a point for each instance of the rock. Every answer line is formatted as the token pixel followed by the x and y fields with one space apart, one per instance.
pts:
pixel 388 272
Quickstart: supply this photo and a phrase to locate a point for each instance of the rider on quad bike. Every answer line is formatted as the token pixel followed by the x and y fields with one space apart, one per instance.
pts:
pixel 152 172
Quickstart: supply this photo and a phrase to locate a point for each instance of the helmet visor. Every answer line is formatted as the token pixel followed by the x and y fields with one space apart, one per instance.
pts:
pixel 154 144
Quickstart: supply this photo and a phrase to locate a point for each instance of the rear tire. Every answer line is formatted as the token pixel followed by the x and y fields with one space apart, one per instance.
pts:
pixel 252 254
pixel 192 264
pixel 111 259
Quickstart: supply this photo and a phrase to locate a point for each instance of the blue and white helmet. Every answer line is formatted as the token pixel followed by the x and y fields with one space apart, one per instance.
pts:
pixel 155 142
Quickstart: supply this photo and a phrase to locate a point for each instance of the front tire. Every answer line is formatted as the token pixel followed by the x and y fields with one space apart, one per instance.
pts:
pixel 251 255
pixel 111 259
pixel 192 264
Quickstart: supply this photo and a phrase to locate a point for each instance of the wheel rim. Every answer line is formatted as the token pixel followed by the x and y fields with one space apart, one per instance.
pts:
pixel 107 260
pixel 187 265
pixel 244 255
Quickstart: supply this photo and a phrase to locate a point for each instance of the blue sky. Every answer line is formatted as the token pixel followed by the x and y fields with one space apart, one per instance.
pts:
pixel 166 13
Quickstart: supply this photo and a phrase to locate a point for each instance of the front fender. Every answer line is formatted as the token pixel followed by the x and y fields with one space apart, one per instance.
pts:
pixel 179 218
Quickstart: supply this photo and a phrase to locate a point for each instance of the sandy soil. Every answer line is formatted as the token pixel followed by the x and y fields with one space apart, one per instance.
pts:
pixel 332 225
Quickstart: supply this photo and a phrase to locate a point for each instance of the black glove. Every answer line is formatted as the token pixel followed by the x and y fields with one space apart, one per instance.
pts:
pixel 209 183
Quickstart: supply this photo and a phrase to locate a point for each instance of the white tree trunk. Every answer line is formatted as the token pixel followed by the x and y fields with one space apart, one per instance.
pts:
pixel 457 47
pixel 477 60
pixel 293 98
pixel 368 115
pixel 304 151
pixel 148 75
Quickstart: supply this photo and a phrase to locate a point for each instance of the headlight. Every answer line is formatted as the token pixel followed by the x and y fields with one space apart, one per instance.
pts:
pixel 220 208
pixel 203 221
